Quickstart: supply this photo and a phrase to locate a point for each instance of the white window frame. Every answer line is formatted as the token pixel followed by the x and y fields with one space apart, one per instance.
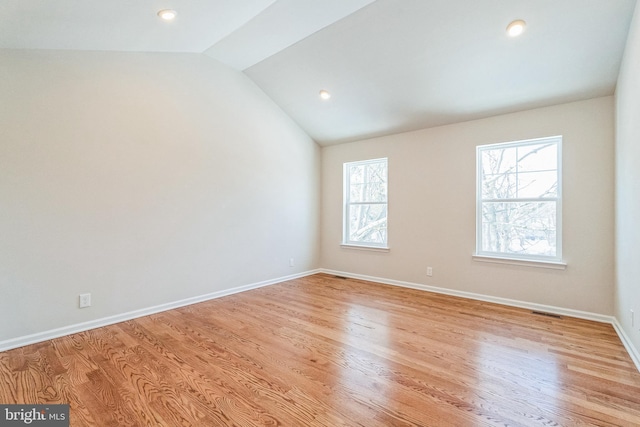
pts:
pixel 514 258
pixel 347 203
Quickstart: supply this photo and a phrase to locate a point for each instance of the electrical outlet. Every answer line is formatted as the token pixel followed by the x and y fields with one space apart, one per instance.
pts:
pixel 429 271
pixel 291 262
pixel 85 300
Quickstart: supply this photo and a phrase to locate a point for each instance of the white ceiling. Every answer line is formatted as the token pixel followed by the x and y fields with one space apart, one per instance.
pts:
pixel 391 65
pixel 122 25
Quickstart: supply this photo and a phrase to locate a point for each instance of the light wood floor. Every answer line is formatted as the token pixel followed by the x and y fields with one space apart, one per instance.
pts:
pixel 324 351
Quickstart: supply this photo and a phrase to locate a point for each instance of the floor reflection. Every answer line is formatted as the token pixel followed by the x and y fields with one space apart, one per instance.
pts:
pixel 529 377
pixel 365 335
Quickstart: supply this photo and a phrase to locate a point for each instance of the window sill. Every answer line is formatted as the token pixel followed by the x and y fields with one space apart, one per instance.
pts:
pixel 365 248
pixel 554 265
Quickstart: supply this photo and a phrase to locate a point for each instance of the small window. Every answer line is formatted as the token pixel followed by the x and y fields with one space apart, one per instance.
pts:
pixel 365 203
pixel 519 200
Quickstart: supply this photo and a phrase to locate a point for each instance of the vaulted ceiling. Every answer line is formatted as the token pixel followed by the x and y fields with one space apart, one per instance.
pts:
pixel 390 65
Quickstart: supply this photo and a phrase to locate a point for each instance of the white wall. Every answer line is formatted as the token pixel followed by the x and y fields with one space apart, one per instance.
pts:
pixel 628 186
pixel 432 207
pixel 142 179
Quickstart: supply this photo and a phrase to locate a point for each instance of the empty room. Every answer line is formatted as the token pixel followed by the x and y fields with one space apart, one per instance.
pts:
pixel 320 213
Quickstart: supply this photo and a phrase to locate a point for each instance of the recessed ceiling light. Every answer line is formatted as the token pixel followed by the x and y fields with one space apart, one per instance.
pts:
pixel 167 14
pixel 324 94
pixel 516 28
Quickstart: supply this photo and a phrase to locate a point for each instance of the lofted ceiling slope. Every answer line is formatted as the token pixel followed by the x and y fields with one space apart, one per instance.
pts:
pixel 390 65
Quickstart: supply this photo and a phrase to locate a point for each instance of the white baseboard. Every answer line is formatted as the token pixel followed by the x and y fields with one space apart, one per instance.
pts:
pixel 480 297
pixel 105 321
pixel 628 345
pixel 633 352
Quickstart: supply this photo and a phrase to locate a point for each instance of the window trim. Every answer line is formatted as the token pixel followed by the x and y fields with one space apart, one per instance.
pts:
pixel 511 258
pixel 346 182
pixel 553 265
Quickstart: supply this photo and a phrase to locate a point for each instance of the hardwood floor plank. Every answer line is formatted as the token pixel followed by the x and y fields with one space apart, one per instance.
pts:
pixel 324 351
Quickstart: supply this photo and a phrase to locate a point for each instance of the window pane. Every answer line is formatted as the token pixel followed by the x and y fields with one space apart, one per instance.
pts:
pixel 538 157
pixel 368 223
pixel 538 184
pixel 356 174
pixel 522 185
pixel 499 186
pixel 499 161
pixel 526 228
pixel 528 171
pixel 370 192
pixel 368 183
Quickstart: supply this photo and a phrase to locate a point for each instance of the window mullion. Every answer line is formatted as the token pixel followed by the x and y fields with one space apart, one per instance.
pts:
pixel 522 200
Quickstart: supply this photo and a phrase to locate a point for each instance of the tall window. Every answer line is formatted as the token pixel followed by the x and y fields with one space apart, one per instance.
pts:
pixel 519 200
pixel 365 203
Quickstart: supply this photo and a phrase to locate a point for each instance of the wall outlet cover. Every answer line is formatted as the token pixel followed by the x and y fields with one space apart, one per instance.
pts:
pixel 85 300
